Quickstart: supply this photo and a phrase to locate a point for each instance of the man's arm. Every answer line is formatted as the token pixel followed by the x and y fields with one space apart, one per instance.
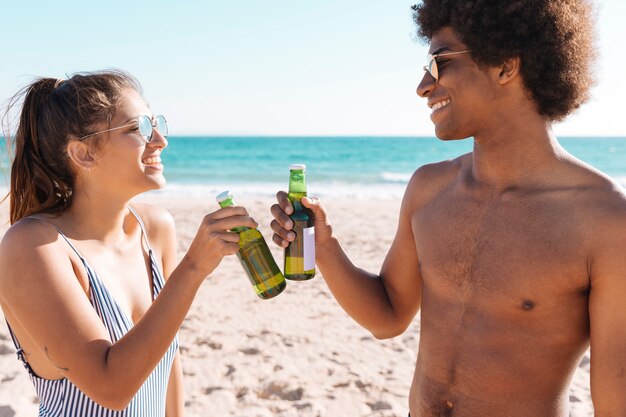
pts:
pixel 608 317
pixel 384 304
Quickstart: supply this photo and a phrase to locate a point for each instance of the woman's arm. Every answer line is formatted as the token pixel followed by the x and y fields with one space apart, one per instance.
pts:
pixel 161 229
pixel 175 402
pixel 39 287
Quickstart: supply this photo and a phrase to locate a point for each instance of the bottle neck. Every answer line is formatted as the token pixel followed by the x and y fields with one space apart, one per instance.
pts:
pixel 231 202
pixel 297 185
pixel 295 201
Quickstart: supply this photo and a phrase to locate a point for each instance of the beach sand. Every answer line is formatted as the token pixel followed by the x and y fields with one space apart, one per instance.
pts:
pixel 298 354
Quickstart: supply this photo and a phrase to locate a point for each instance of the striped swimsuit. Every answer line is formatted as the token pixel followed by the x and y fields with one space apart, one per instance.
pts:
pixel 61 398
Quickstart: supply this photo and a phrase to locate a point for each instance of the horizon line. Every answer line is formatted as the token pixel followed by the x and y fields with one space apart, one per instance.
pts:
pixel 197 135
pixel 348 136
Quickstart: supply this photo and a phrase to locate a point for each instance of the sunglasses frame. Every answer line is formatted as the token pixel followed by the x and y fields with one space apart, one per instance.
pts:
pixel 152 122
pixel 432 62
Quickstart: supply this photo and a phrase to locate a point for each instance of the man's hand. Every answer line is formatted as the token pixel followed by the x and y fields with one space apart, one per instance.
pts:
pixel 282 224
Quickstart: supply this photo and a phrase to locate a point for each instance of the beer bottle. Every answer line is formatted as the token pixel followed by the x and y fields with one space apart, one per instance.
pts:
pixel 255 257
pixel 300 254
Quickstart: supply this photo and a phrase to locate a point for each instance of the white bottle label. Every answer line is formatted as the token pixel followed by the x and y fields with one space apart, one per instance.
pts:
pixel 309 248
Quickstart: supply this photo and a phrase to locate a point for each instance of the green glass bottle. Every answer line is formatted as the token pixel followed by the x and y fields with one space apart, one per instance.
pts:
pixel 300 254
pixel 255 257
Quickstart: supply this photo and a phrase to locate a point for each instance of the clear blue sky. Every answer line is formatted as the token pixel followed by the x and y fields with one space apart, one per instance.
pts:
pixel 323 67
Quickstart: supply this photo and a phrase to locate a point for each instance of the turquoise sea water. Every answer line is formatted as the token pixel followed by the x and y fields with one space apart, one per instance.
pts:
pixel 365 167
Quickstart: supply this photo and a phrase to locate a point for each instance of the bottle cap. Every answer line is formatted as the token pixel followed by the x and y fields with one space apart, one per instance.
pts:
pixel 297 167
pixel 224 195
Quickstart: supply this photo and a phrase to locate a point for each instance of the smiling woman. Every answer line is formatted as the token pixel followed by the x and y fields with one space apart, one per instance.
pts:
pixel 99 343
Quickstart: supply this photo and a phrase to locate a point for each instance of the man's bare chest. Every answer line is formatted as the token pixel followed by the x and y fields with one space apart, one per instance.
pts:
pixel 510 247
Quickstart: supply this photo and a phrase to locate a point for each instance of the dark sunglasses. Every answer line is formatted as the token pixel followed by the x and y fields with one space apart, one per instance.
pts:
pixel 432 68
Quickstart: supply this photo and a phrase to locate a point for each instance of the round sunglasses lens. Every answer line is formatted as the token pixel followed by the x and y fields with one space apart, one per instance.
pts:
pixel 161 124
pixel 145 127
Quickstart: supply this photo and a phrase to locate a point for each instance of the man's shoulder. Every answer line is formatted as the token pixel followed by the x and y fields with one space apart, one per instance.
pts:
pixel 607 202
pixel 430 179
pixel 441 169
pixel 604 215
pixel 598 193
pixel 598 202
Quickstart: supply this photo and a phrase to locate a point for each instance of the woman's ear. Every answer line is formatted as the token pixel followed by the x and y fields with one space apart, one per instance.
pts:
pixel 81 155
pixel 509 69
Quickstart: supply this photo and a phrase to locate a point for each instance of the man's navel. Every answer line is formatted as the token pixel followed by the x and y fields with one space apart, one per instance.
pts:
pixel 528 305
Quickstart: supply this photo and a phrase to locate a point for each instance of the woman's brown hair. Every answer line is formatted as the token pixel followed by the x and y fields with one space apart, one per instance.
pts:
pixel 54 112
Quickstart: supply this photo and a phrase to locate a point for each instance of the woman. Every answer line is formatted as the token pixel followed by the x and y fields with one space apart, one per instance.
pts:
pixel 81 266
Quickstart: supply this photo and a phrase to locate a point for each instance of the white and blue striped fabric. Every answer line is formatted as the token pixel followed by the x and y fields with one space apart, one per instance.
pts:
pixel 61 398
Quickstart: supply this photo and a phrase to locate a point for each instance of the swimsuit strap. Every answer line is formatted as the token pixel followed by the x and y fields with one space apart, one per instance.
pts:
pixel 157 277
pixel 18 348
pixel 142 226
pixel 60 233
pixel 132 210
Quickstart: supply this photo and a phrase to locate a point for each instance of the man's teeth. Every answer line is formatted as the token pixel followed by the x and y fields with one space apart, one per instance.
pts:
pixel 152 161
pixel 440 104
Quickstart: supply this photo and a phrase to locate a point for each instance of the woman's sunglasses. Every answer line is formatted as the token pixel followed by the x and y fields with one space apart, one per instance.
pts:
pixel 146 127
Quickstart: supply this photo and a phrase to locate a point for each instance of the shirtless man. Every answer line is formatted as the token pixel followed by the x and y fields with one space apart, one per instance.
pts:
pixel 515 252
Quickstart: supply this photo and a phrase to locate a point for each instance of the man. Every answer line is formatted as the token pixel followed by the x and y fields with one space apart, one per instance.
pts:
pixel 515 252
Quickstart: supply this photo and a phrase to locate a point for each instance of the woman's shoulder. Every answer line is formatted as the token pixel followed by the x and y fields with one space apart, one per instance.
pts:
pixel 157 220
pixel 27 232
pixel 153 214
pixel 160 232
pixel 28 245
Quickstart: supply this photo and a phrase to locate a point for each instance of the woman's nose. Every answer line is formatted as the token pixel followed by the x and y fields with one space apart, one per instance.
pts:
pixel 158 139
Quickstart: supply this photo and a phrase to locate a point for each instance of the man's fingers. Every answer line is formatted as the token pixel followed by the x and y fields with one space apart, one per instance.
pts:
pixel 283 233
pixel 284 202
pixel 282 217
pixel 280 241
pixel 313 204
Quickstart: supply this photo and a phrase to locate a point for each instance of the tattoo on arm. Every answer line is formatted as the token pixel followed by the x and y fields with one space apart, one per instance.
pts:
pixel 54 364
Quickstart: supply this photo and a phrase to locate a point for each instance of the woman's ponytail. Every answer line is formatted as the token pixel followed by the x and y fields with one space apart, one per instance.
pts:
pixel 53 113
pixel 34 186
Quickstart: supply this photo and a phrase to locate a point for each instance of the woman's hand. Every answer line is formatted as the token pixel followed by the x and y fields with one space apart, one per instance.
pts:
pixel 213 240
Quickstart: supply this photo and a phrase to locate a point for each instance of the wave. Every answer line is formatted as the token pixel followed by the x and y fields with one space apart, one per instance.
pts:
pixel 621 180
pixel 358 191
pixel 395 177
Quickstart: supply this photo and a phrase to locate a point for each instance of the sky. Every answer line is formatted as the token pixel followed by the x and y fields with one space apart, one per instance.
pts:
pixel 268 68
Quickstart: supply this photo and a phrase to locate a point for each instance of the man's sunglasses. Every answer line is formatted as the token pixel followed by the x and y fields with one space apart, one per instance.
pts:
pixel 432 68
pixel 146 127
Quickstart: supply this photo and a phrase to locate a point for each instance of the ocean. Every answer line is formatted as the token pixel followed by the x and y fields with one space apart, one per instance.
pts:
pixel 356 167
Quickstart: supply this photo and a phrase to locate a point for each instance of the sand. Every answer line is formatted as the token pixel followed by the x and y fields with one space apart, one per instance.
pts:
pixel 298 354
